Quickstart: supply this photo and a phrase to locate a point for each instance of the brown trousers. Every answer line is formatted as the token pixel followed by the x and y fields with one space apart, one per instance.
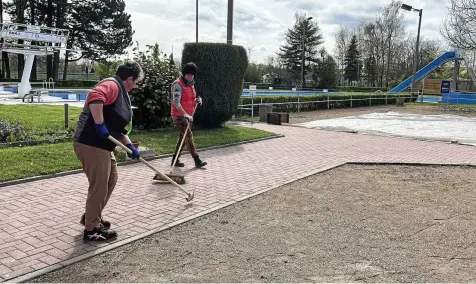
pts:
pixel 100 168
pixel 181 124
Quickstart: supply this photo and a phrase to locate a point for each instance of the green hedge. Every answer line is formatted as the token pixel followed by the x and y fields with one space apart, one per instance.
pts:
pixel 319 102
pixel 219 80
pixel 75 84
pixel 361 89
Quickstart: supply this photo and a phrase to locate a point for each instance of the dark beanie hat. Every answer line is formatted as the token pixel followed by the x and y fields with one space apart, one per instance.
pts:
pixel 189 68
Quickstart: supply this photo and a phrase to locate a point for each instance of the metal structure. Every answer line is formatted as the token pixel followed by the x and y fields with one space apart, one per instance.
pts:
pixel 31 40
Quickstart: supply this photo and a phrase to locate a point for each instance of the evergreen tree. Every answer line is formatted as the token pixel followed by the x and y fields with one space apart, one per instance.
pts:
pixel 352 62
pixel 100 29
pixel 327 73
pixel 370 71
pixel 304 30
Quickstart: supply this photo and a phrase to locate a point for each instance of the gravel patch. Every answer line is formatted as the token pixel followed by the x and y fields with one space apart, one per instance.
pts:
pixel 359 223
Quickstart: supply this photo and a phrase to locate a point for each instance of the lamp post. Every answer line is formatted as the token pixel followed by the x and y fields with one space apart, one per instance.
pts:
pixel 303 60
pixel 415 59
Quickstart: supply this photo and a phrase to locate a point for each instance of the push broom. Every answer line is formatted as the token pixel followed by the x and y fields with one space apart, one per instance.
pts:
pixel 180 179
pixel 165 177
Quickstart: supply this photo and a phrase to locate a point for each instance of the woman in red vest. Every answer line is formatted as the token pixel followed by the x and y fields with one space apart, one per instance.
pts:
pixel 183 100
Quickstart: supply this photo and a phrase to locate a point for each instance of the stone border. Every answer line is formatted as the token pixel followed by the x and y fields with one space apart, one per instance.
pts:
pixel 64 263
pixel 125 163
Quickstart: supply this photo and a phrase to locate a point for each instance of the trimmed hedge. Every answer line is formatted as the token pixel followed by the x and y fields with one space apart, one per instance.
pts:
pixel 320 102
pixel 361 89
pixel 75 84
pixel 219 80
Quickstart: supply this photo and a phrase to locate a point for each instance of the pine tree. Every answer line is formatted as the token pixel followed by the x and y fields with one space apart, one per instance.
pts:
pixel 352 62
pixel 304 30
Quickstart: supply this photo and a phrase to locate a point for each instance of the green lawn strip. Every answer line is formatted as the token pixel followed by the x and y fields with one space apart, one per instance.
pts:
pixel 42 121
pixel 23 162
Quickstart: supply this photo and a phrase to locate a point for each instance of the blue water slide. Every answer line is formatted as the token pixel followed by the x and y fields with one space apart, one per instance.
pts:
pixel 422 73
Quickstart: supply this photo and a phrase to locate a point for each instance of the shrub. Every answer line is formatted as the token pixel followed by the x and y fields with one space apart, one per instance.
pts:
pixel 152 95
pixel 219 80
pixel 75 84
pixel 361 89
pixel 11 132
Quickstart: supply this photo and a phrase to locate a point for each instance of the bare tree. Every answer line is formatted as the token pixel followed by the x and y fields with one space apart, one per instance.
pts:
pixel 459 26
pixel 342 37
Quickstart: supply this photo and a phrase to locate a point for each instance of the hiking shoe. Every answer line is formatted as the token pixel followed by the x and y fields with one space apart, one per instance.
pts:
pixel 99 234
pixel 105 224
pixel 199 163
pixel 177 163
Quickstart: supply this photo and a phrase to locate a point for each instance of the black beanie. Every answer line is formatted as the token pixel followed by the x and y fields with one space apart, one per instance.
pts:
pixel 189 68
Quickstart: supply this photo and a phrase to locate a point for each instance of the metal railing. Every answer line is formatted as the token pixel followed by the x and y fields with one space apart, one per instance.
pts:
pixel 329 100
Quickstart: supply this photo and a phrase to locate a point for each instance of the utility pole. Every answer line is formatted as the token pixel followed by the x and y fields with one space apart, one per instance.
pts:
pixel 229 34
pixel 196 21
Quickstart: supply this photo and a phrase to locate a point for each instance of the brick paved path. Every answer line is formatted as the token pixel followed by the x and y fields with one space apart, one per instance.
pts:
pixel 39 221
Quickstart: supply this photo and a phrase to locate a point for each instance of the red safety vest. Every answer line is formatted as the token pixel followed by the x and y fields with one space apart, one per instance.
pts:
pixel 188 99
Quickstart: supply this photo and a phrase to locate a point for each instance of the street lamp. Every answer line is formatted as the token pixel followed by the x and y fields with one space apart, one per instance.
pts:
pixel 303 61
pixel 415 59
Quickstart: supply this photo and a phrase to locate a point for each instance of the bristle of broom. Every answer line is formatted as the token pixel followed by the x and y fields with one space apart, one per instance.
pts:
pixel 177 178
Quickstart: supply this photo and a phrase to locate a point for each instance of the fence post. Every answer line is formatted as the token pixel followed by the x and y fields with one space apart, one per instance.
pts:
pixel 66 122
pixel 370 100
pixel 386 99
pixel 299 103
pixel 328 106
pixel 351 100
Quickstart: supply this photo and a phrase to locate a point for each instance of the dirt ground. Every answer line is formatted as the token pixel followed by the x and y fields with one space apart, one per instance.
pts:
pixel 301 117
pixel 354 223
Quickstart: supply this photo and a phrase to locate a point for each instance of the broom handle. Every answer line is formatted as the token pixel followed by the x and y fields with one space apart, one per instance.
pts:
pixel 115 141
pixel 183 139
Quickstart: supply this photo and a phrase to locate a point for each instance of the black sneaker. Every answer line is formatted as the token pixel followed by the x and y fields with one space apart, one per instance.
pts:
pixel 177 163
pixel 99 234
pixel 199 163
pixel 106 224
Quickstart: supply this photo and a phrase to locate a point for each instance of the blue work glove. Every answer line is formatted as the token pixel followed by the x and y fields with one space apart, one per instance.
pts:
pixel 102 130
pixel 135 153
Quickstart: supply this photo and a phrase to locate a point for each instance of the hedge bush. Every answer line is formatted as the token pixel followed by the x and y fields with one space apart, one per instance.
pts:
pixel 152 95
pixel 219 80
pixel 320 102
pixel 75 84
pixel 361 89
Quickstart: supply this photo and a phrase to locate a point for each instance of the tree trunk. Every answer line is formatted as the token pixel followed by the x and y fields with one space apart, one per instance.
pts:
pixel 6 64
pixel 65 70
pixel 32 21
pixel 388 60
pixel 59 25
pixel 5 73
pixel 20 7
pixel 49 23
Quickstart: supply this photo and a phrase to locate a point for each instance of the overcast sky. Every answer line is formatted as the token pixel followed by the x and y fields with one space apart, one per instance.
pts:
pixel 261 23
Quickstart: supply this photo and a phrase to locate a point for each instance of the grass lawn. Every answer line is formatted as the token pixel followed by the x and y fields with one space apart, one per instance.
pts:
pixel 41 121
pixel 44 159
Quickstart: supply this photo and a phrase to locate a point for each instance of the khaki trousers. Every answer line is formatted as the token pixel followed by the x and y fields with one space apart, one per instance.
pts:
pixel 100 168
